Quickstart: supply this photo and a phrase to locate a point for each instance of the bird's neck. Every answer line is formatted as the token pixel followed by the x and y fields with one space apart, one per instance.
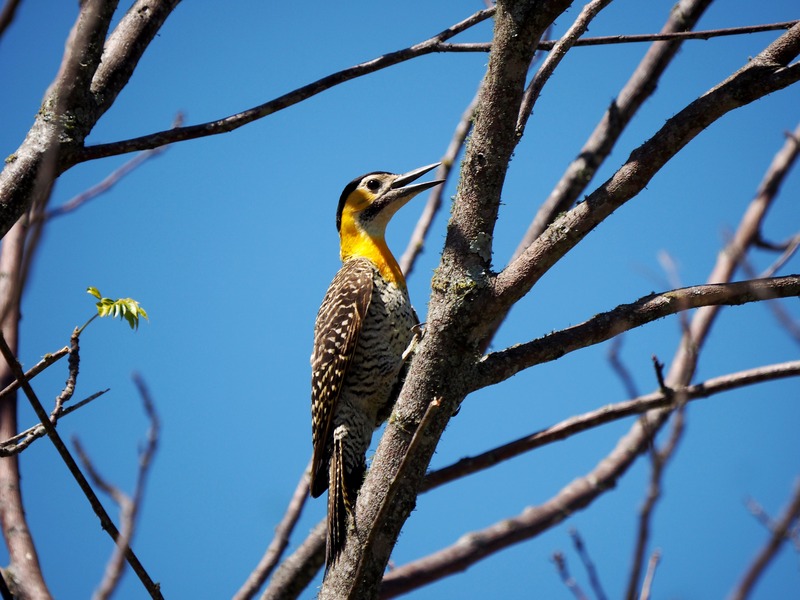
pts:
pixel 357 243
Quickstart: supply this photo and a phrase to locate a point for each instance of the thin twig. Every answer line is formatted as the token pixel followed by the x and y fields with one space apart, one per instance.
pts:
pixel 788 324
pixel 588 564
pixel 72 377
pixel 705 34
pixel 650 575
pixel 47 360
pixel 105 521
pixel 658 461
pixel 622 371
pixel 779 534
pixel 237 120
pixel 19 442
pixel 789 250
pixel 111 179
pixel 568 580
pixel 558 52
pixel 279 543
pixel 129 505
pixel 420 233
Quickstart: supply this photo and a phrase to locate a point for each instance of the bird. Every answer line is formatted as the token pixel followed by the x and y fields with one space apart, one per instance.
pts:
pixel 362 329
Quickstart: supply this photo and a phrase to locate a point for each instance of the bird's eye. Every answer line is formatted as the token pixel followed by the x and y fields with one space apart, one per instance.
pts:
pixel 373 185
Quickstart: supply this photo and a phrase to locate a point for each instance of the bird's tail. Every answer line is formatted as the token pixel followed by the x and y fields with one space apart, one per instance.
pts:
pixel 342 494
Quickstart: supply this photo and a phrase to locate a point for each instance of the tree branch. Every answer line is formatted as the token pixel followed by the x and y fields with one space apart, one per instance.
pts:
pixel 296 572
pixel 641 85
pixel 237 120
pixel 105 521
pixel 765 73
pixel 499 366
pixel 7 14
pixel 658 463
pixel 24 571
pixel 557 53
pixel 517 28
pixel 75 100
pixel 129 505
pixel 705 34
pixel 19 442
pixel 778 536
pixel 607 414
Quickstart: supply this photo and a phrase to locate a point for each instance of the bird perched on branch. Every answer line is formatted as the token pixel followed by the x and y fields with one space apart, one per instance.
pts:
pixel 362 329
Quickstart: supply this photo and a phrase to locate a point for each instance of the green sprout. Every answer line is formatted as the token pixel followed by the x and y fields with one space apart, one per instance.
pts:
pixel 126 308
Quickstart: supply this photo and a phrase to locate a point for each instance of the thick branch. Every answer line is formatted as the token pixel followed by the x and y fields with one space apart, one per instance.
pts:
pixel 499 366
pixel 24 567
pixel 124 48
pixel 517 28
pixel 64 119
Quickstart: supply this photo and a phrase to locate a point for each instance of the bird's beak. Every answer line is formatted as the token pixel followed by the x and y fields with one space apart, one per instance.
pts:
pixel 399 185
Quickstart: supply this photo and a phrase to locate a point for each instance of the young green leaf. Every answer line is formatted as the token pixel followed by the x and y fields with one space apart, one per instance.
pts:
pixel 126 308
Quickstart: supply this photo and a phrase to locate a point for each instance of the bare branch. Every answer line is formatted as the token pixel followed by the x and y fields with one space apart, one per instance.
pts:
pixel 237 120
pixel 558 52
pixel 705 34
pixel 17 443
pixel 420 233
pixel 501 365
pixel 47 360
pixel 279 543
pixel 73 102
pixel 588 564
pixel 124 48
pixel 296 572
pixel 129 505
pixel 7 14
pixel 779 535
pixel 72 377
pixel 110 180
pixel 765 73
pixel 619 367
pixel 641 85
pixel 658 461
pixel 105 521
pixel 568 580
pixel 789 250
pixel 650 575
pixel 607 414
pixel 24 572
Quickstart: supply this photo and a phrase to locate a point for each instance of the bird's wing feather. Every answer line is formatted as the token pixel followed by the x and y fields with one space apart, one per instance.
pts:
pixel 335 338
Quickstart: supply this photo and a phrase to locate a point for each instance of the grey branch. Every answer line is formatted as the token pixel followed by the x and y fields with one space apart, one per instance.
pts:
pixel 499 366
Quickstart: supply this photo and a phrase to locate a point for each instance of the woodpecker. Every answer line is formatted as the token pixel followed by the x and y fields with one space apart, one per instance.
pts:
pixel 361 331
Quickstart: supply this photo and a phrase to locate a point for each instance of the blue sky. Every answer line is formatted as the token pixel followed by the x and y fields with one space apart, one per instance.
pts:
pixel 229 243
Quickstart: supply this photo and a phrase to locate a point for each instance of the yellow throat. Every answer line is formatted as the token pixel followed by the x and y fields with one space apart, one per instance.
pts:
pixel 355 242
